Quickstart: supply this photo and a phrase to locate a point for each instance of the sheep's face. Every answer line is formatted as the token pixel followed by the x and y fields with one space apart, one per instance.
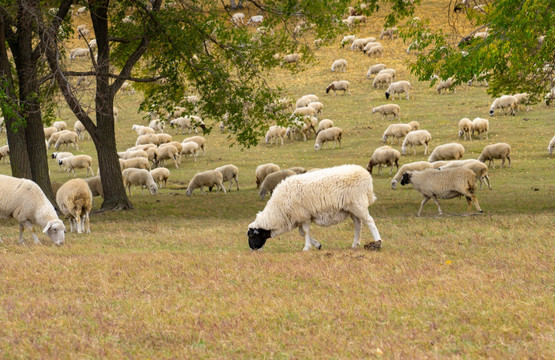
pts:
pixel 461 133
pixel 54 155
pixel 55 230
pixel 491 111
pixel 153 189
pixel 393 184
pixel 317 146
pixel 386 95
pixel 258 237
pixel 61 162
pixel 406 178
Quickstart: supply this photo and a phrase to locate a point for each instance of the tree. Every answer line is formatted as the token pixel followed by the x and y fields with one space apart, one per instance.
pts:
pixel 508 43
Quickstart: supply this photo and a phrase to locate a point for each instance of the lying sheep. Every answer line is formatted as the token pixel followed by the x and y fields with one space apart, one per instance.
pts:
pixel 480 169
pixel 24 201
pixel 272 180
pixel 445 85
pixel 67 138
pixel 480 126
pixel 199 140
pixel 396 131
pixel 135 163
pixel 95 184
pixel 386 156
pixel 443 184
pixel 74 198
pixel 388 109
pixel 323 125
pixel 139 177
pixel 451 151
pixel 332 134
pixel 465 127
pixel 496 151
pixel 339 65
pixel 275 132
pixel 77 162
pixel 382 79
pixel 160 174
pixel 209 178
pixel 416 166
pixel 375 69
pixel 504 102
pixel 326 197
pixel 229 172
pixel 398 87
pixel 551 146
pixel 168 152
pixel 415 125
pixel 264 170
pixel 415 138
pixel 341 85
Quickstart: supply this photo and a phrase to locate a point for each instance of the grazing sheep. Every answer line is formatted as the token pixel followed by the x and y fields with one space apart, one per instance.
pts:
pixel 78 53
pixel 4 152
pixel 255 20
pixel 197 139
pixel 443 184
pixel 77 162
pixel 80 130
pixel 164 138
pixel 209 178
pixel 480 126
pixel 415 138
pixel 388 109
pixel 67 138
pixel 177 144
pixel 332 134
pixel 189 122
pixel 415 125
pixel 551 146
pixel 339 65
pixel 54 137
pixel 139 177
pixel 323 125
pixel 264 170
pixel 386 156
pixel 305 111
pixel 274 133
pixel 480 169
pixel 49 131
pixel 272 180
pixel 389 71
pixel 375 69
pixel 398 87
pixel 168 152
pixel 133 154
pixel 229 173
pixel 382 79
pixel 147 139
pixel 157 125
pixel 496 151
pixel 160 174
pixel 550 96
pixel 74 198
pixel 369 45
pixel 348 39
pixel 142 130
pixel 391 33
pixel 60 125
pixel 298 170
pixel 522 99
pixel 325 197
pixel 376 50
pixel 359 44
pixel 504 102
pixel 451 151
pixel 24 201
pixel 136 163
pixel 341 85
pixel 291 58
pixel 60 155
pixel 396 131
pixel 297 126
pixel 238 18
pixel 304 100
pixel 316 105
pixel 416 166
pixel 445 85
pixel 95 184
pixel 465 127
pixel 190 148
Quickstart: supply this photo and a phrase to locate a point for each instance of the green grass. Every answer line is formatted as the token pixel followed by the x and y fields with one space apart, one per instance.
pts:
pixel 175 278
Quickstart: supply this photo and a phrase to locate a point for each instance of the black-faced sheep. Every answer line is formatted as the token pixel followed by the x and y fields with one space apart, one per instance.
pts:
pixel 398 87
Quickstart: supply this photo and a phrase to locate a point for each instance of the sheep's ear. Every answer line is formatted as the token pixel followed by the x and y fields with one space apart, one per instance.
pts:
pixel 47 227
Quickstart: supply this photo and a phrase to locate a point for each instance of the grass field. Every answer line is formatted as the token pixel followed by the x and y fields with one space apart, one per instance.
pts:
pixel 175 277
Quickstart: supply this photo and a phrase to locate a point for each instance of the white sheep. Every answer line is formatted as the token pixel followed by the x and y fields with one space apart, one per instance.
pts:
pixel 332 134
pixel 416 166
pixel 324 124
pixel 157 125
pixel 375 69
pixel 415 125
pixel 382 79
pixel 389 71
pixel 177 144
pixel 24 201
pixel 95 184
pixel 450 151
pixel 209 178
pixel 465 128
pixel 60 155
pixel 60 125
pixel 480 126
pixel 551 146
pixel 79 129
pixel 376 50
pixel 316 105
pixel 199 140
pixel 391 33
pixel 168 152
pixel 238 18
pixel 136 163
pixel 304 100
pixel 186 122
pixel 325 197
pixel 396 131
pixel 369 45
pixel 550 96
pixel 77 162
pixel 49 131
pixel 445 85
pixel 359 44
pixel 388 109
pixel 415 138
pixel 297 126
pixel 139 177
pixel 69 137
pixel 275 132
pixel 4 152
pixel 504 102
pixel 341 85
pixel 398 87
pixel 348 39
pixel 443 184
pixel 339 65
pixel 147 139
pixel 480 169
pixel 54 137
pixel 229 172
pixel 305 111
pixel 130 154
pixel 264 170
pixel 496 151
pixel 160 175
pixel 272 180
pixel 78 52
pixel 255 20
pixel 190 148
pixel 385 156
pixel 142 130
pixel 74 198
pixel 164 138
pixel 291 58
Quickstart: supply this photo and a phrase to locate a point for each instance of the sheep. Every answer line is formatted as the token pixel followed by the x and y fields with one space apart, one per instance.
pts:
pixel 197 139
pixel 298 170
pixel 326 197
pixel 49 131
pixel 157 125
pixel 74 198
pixel 415 125
pixel 264 170
pixel 4 152
pixel 77 162
pixel 348 39
pixel 208 178
pixel 142 130
pixel 496 151
pixel 389 32
pixel 332 134
pixel 398 88
pixel 54 137
pixel 384 155
pixel 305 111
pixel 60 155
pixel 275 132
pixel 551 146
pixel 255 20
pixel 480 169
pixel 445 85
pixel 92 44
pixel 550 96
pixel 190 148
pixel 133 154
pixel 465 127
pixel 78 52
pixel 417 166
pixel 369 45
pixel 305 100
pixel 80 130
pixel 396 131
pixel 187 122
pixel 479 79
pixel 238 18
pixel 272 180
pixel 95 184
pixel 450 151
pixel 83 33
pixel 297 126
pixel 375 69
pixel 136 163
pixel 24 201
pixel 522 98
pixel 415 138
pixel 139 177
pixel 389 71
pixel 177 144
pixel 339 85
pixel 316 105
pixel 359 44
pixel 504 102
pixel 164 138
pixel 67 138
pixel 60 125
pixel 382 79
pixel 160 174
pixel 229 172
pixel 147 139
pixel 168 152
pixel 339 65
pixel 376 50
pixel 291 58
pixel 480 126
pixel 324 124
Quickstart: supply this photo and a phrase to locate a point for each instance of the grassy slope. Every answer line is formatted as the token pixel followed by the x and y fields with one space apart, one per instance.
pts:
pixel 175 278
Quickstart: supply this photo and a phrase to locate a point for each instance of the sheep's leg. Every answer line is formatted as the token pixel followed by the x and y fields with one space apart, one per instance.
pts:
pixel 358 228
pixel 86 225
pixel 364 216
pixel 488 183
pixel 422 205
pixel 29 227
pixel 309 241
pixel 438 207
pixel 236 182
pixel 221 185
pixel 508 157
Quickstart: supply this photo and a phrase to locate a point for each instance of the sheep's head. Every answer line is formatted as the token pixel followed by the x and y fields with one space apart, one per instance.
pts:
pixel 386 95
pixel 61 162
pixel 491 112
pixel 258 237
pixel 54 155
pixel 394 184
pixel 153 189
pixel 317 146
pixel 406 178
pixel 55 231
pixel 461 133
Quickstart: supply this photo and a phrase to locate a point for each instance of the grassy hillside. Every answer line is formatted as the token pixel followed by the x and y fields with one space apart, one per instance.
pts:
pixel 175 278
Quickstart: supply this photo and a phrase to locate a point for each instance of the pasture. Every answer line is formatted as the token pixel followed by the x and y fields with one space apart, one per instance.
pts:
pixel 175 278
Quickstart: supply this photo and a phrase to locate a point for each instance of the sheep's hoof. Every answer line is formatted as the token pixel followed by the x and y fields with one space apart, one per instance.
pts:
pixel 319 247
pixel 374 246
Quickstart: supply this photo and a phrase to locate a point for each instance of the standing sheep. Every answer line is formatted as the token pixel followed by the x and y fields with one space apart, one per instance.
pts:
pixel 325 197
pixel 324 124
pixel 465 127
pixel 415 138
pixel 396 131
pixel 160 174
pixel 190 148
pixel 60 125
pixel 375 69
pixel 382 79
pixel 551 146
pixel 74 198
pixel 209 178
pixel 168 152
pixel 67 138
pixel 388 109
pixel 480 126
pixel 386 156
pixel 504 102
pixel 264 170
pixel 480 169
pixel 229 172
pixel 197 139
pixel 332 134
pixel 24 201
pixel 80 130
pixel 416 166
pixel 415 125
pixel 445 85
pixel 139 177
pixel 272 180
pixel 398 88
pixel 77 162
pixel 275 132
pixel 451 151
pixel 496 151
pixel 339 65
pixel 341 85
